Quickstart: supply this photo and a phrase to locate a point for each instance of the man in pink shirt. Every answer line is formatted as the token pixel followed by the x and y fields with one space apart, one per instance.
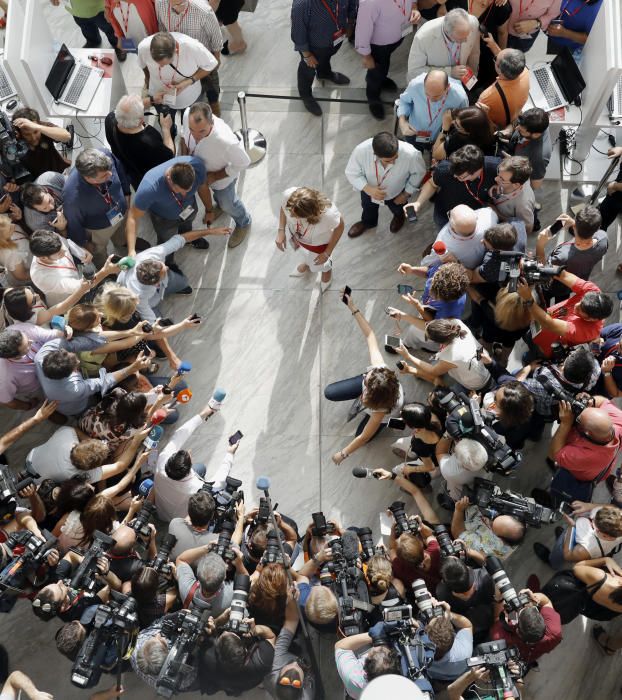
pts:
pixel 527 19
pixel 380 27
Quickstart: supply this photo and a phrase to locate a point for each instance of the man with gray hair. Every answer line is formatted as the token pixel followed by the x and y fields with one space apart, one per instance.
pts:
pixel 505 98
pixel 460 467
pixel 450 43
pixel 209 138
pixel 137 145
pixel 96 197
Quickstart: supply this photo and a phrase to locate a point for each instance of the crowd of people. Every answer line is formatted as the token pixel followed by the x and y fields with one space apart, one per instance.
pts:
pixel 113 529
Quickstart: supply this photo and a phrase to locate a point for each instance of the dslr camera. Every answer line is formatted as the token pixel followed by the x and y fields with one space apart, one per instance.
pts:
pixel 272 553
pixel 14 576
pixel 321 526
pixel 513 602
pixel 403 523
pixel 161 563
pixel 84 577
pixel 10 486
pixel 140 523
pixel 12 151
pixel 449 548
pixel 226 501
pixel 223 546
pixel 238 613
pixel 423 600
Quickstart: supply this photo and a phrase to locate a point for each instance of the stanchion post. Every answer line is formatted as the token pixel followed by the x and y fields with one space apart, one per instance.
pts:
pixel 253 140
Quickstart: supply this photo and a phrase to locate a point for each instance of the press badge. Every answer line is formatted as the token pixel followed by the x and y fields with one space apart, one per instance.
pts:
pixel 338 37
pixel 129 45
pixel 469 79
pixel 423 136
pixel 380 202
pixel 407 28
pixel 186 212
pixel 114 216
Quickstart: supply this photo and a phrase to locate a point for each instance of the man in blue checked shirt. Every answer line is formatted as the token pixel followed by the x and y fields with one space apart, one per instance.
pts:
pixel 423 103
pixel 319 27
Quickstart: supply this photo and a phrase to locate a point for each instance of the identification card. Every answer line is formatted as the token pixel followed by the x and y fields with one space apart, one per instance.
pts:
pixel 338 37
pixel 407 28
pixel 380 202
pixel 469 79
pixel 114 216
pixel 423 136
pixel 186 212
pixel 129 45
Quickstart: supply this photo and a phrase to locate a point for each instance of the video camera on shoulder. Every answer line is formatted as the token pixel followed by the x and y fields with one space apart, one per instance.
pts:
pixel 10 486
pixel 493 501
pixel 321 526
pixel 226 500
pixel 496 657
pixel 403 523
pixel 84 577
pixel 514 265
pixel 21 566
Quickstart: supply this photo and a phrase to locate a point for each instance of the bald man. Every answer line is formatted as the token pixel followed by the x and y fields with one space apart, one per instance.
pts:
pixel 584 448
pixel 463 236
pixel 423 103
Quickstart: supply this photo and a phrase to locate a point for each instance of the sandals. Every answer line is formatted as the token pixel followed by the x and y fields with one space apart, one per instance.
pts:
pixel 596 633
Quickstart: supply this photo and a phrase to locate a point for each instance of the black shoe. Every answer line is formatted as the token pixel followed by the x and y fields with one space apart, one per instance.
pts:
pixel 120 53
pixel 377 109
pixel 389 85
pixel 558 531
pixel 337 78
pixel 225 48
pixel 200 244
pixel 543 553
pixel 312 105
pixel 90 45
pixel 542 497
pixel 185 291
pixel 175 268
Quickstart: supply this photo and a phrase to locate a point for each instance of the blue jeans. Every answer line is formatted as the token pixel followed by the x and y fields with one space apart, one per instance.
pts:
pixel 227 199
pixel 200 469
pixel 556 560
pixel 348 390
pixel 90 26
pixel 565 487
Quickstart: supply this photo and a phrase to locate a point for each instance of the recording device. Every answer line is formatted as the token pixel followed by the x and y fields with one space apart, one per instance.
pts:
pixel 483 31
pixel 263 512
pixel 411 213
pixel 223 545
pixel 465 419
pixel 272 553
pixel 397 424
pixel 217 397
pixel 400 364
pixel 346 293
pixel 577 405
pixel 183 630
pixel 423 600
pixel 140 523
pixel 364 473
pixel 367 549
pixel 321 526
pixel 84 578
pixel 88 271
pixel 493 501
pixel 396 613
pixel 236 437
pixel 512 601
pixel 147 327
pixel 34 550
pixel 116 622
pixel 12 151
pixel 402 522
pixel 226 501
pixel 556 226
pixel 161 562
pixel 391 342
pixel 445 541
pixel 405 289
pixel 513 265
pixel 496 657
pixel 10 486
pixel 195 317
pixel 238 612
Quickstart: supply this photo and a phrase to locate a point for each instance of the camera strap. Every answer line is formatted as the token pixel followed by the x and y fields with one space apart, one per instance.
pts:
pixel 190 596
pixel 504 99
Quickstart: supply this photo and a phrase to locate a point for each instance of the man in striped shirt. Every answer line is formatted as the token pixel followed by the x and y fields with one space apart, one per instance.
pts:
pixel 196 19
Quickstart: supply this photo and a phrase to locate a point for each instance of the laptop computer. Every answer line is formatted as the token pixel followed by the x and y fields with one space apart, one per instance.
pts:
pixel 7 89
pixel 615 101
pixel 556 84
pixel 72 83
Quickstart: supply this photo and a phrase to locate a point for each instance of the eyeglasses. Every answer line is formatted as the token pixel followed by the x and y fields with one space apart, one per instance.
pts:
pixel 296 683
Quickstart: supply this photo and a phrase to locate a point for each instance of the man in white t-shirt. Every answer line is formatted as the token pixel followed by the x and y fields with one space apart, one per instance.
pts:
pixel 173 65
pixel 463 236
pixel 460 467
pixel 67 454
pixel 596 533
pixel 209 138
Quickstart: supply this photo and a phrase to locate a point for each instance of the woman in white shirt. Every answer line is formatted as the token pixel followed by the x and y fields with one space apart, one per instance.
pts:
pixel 459 356
pixel 15 254
pixel 315 227
pixel 377 392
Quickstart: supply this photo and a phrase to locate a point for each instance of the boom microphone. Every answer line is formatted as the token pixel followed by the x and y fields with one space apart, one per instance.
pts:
pixel 262 483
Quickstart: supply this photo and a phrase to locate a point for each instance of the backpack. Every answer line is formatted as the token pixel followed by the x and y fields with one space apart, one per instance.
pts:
pixel 571 598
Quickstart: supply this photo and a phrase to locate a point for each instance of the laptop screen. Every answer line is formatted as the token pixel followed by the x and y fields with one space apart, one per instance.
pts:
pixel 59 74
pixel 568 75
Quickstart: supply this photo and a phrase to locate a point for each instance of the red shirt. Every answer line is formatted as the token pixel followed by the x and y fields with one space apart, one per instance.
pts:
pixel 531 652
pixel 579 330
pixel 432 577
pixel 586 460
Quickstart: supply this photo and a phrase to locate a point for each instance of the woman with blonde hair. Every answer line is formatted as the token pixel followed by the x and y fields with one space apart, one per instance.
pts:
pixel 315 227
pixel 15 254
pixel 382 585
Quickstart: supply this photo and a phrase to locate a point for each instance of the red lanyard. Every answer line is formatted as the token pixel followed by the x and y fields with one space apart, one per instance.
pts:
pixel 105 195
pixel 384 177
pixel 66 257
pixel 299 229
pixel 334 15
pixel 125 18
pixel 179 200
pixel 454 56
pixel 576 12
pixel 479 187
pixel 181 19
pixel 440 109
pixel 169 85
pixel 401 9
pixel 522 10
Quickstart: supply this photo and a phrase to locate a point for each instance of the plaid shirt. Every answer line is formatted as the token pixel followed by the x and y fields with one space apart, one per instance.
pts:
pixel 197 21
pixel 543 399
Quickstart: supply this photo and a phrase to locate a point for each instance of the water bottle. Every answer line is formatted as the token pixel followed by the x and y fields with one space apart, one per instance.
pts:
pixel 217 398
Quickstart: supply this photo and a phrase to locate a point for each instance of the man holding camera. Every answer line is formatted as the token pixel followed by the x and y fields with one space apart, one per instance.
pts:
pixel 452 634
pixel 577 320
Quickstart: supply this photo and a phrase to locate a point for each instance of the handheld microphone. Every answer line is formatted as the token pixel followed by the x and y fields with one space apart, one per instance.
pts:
pixel 217 398
pixel 184 395
pixel 145 487
pixel 184 367
pixel 58 323
pixel 154 437
pixel 158 416
pixel 363 473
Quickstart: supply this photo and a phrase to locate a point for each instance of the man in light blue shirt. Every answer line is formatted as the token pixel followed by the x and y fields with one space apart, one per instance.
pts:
pixel 423 103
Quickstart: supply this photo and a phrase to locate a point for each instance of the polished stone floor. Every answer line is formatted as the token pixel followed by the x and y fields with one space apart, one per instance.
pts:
pixel 273 342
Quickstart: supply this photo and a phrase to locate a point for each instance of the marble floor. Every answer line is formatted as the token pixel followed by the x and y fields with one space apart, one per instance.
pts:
pixel 273 342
